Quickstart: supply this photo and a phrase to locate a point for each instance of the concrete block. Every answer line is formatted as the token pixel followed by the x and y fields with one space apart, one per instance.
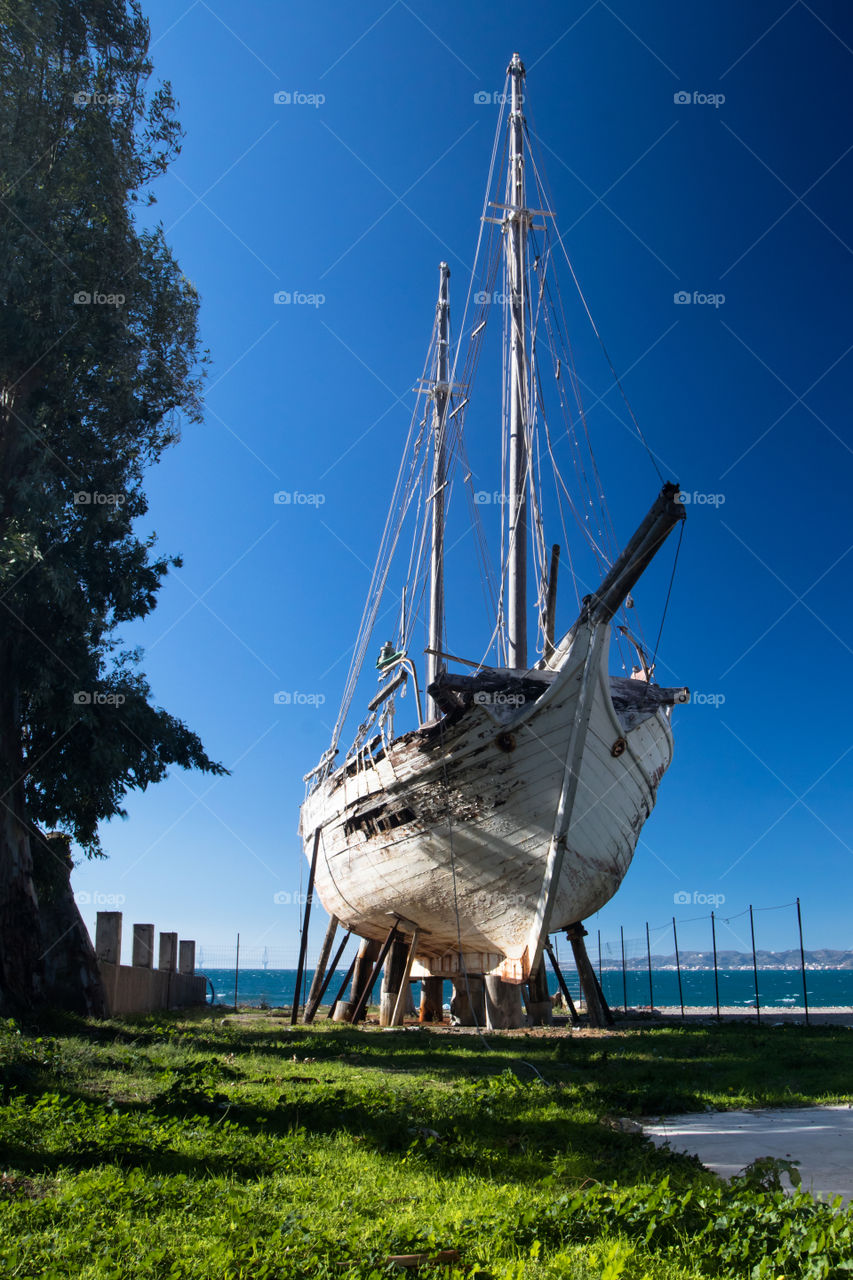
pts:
pixel 108 937
pixel 186 957
pixel 168 952
pixel 143 946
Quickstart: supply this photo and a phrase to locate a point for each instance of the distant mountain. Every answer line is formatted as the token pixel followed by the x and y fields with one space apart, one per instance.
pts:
pixel 822 959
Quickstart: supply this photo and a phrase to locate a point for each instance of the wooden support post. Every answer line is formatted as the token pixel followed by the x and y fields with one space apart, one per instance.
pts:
pixel 404 995
pixel 567 995
pixel 540 1008
pixel 322 961
pixel 468 1003
pixel 597 1007
pixel 503 1005
pixel 303 946
pixel 392 980
pixel 333 1007
pixel 362 969
pixel 361 1002
pixel 314 1002
pixel 432 1000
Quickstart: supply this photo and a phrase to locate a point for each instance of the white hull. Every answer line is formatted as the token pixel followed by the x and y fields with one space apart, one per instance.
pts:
pixel 454 836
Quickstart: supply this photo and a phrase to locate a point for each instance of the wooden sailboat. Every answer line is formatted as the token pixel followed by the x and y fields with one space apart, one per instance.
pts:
pixel 513 808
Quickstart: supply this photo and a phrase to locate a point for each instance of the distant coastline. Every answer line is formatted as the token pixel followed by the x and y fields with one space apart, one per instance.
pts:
pixel 699 960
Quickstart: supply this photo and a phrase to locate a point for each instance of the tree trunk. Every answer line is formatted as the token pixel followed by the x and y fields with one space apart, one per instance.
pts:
pixel 72 979
pixel 21 951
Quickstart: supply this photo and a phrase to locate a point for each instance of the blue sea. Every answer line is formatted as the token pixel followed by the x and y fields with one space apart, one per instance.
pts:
pixel 777 988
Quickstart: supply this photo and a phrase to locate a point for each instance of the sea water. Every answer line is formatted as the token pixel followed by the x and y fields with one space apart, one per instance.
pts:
pixel 777 988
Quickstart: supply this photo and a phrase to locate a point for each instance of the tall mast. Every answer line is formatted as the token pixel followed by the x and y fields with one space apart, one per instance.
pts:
pixel 517 219
pixel 440 394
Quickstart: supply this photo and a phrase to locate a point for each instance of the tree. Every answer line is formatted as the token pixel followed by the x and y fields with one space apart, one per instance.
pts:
pixel 99 356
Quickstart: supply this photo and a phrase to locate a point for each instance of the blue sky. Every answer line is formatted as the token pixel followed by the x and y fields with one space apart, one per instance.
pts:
pixel 356 198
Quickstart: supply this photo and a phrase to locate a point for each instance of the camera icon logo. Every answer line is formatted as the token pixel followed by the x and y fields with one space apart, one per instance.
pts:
pixel 282 98
pixel 82 698
pixel 82 298
pixel 681 97
pixel 282 698
pixel 282 298
pixel 681 297
pixel 482 98
pixel 681 898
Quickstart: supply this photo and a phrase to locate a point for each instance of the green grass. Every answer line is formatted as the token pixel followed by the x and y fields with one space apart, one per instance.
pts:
pixel 239 1147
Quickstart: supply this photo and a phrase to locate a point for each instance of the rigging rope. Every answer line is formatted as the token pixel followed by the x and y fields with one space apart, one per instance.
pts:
pixel 669 592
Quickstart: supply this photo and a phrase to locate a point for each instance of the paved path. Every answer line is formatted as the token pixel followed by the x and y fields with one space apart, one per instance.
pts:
pixel 819 1138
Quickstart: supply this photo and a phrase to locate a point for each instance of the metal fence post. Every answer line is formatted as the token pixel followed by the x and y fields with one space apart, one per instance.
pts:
pixel 716 977
pixel 803 962
pixel 754 966
pixel 624 973
pixel 678 967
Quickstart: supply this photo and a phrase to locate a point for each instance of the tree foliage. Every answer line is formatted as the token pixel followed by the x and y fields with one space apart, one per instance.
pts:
pixel 99 358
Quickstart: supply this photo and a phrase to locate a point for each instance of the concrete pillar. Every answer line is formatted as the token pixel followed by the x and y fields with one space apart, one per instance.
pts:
pixel 468 1011
pixel 143 946
pixel 168 952
pixel 540 1008
pixel 108 937
pixel 392 978
pixel 432 992
pixel 186 957
pixel 503 1005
